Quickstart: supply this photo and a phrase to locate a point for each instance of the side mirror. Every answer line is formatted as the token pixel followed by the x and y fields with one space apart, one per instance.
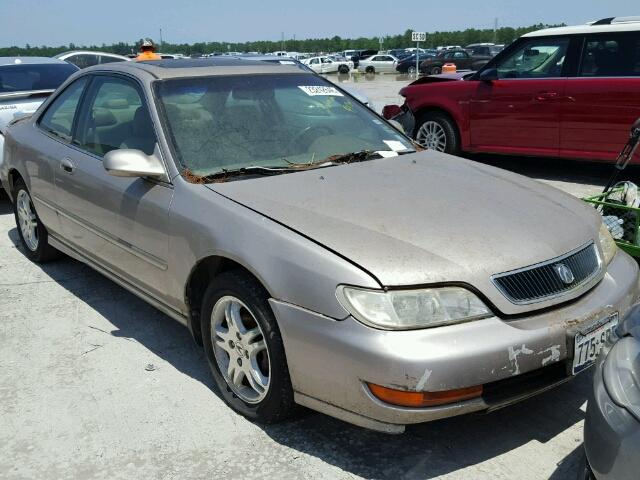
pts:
pixel 126 162
pixel 489 75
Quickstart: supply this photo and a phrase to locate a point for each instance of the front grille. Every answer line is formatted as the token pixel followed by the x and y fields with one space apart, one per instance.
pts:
pixel 543 281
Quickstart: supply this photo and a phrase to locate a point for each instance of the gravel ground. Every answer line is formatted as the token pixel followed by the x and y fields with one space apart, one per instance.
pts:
pixel 94 383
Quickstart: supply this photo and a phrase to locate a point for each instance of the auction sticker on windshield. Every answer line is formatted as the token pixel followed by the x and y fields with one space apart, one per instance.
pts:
pixel 587 345
pixel 315 90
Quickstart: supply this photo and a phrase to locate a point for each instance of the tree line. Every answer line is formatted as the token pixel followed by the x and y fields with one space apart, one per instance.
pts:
pixel 503 35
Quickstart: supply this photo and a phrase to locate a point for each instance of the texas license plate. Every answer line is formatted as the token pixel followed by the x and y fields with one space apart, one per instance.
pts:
pixel 587 345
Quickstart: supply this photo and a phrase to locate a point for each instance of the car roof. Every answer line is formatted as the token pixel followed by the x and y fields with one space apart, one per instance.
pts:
pixel 196 67
pixel 88 52
pixel 30 61
pixel 607 25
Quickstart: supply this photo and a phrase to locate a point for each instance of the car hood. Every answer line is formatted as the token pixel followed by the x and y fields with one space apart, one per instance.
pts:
pixel 425 218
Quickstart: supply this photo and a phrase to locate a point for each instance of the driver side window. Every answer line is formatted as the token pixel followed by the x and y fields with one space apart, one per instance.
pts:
pixel 115 116
pixel 536 58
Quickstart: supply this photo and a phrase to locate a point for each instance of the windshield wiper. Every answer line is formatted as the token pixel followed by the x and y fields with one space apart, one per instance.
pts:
pixel 226 174
pixel 351 157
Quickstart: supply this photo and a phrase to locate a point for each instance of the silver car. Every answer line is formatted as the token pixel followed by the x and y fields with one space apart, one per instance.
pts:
pixel 25 82
pixel 612 423
pixel 317 257
pixel 378 64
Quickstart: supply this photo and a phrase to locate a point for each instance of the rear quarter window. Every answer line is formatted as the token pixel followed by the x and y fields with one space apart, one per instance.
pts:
pixel 614 55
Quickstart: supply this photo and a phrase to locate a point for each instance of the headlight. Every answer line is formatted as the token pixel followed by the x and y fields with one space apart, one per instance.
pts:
pixel 608 244
pixel 412 309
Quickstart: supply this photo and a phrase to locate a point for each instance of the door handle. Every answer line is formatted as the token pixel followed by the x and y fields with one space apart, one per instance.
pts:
pixel 546 96
pixel 67 165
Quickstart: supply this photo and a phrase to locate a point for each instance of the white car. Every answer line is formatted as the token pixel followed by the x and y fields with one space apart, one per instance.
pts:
pixel 88 58
pixel 328 64
pixel 26 82
pixel 378 64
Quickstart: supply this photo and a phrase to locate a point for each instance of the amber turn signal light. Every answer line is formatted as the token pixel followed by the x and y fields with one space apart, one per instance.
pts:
pixel 423 399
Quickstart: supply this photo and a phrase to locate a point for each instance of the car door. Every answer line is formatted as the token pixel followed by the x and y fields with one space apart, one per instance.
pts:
pixel 604 97
pixel 118 222
pixel 315 65
pixel 327 65
pixel 54 128
pixel 462 60
pixel 520 111
pixel 387 64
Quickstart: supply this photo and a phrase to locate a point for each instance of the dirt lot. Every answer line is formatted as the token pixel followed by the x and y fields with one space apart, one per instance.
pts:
pixel 96 384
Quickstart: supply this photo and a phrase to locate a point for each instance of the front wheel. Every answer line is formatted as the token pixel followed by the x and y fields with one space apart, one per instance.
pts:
pixel 370 70
pixel 435 70
pixel 411 70
pixel 436 131
pixel 343 69
pixel 34 237
pixel 244 348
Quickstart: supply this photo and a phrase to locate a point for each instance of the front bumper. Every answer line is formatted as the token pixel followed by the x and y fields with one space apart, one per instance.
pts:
pixel 330 361
pixel 611 434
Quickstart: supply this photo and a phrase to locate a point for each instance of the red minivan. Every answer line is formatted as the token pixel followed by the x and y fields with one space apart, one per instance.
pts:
pixel 570 92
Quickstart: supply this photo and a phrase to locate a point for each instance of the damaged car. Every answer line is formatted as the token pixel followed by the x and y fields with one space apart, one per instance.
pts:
pixel 317 257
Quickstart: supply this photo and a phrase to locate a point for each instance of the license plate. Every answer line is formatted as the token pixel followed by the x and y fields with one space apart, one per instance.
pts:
pixel 587 345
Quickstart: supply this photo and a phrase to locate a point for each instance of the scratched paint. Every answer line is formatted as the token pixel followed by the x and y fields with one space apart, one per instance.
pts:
pixel 423 379
pixel 513 357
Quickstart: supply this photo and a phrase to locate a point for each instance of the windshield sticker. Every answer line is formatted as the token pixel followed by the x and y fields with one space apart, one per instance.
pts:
pixel 387 154
pixel 395 145
pixel 348 106
pixel 316 90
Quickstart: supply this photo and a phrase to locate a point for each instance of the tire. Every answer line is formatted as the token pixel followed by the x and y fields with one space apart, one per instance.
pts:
pixel 343 69
pixel 33 238
pixel 238 291
pixel 430 138
pixel 435 70
pixel 411 70
pixel 369 70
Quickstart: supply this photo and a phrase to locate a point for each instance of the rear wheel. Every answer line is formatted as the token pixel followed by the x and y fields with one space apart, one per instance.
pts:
pixel 436 70
pixel 244 348
pixel 436 131
pixel 34 237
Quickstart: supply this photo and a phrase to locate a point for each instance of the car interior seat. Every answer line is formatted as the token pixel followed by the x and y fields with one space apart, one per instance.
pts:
pixel 142 135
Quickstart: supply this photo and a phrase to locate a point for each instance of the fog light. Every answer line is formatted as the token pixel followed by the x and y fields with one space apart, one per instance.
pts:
pixel 404 398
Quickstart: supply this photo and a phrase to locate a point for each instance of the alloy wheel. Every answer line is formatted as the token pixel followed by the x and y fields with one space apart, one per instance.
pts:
pixel 432 136
pixel 240 349
pixel 27 220
pixel 411 70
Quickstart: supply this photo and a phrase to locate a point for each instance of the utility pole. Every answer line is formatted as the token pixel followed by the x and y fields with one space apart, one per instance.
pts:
pixel 282 41
pixel 495 29
pixel 161 39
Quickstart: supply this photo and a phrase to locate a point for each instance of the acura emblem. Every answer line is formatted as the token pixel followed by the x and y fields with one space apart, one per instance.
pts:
pixel 564 273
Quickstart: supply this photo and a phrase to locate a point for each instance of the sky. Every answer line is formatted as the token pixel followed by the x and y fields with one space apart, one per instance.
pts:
pixel 85 22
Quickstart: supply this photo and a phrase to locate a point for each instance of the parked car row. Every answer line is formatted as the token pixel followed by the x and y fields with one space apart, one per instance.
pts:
pixel 462 59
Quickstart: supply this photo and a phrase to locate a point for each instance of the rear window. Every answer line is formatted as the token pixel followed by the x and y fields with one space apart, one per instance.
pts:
pixel 22 78
pixel 615 55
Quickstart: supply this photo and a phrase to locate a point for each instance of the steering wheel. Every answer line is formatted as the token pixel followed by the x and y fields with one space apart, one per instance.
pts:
pixel 308 135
